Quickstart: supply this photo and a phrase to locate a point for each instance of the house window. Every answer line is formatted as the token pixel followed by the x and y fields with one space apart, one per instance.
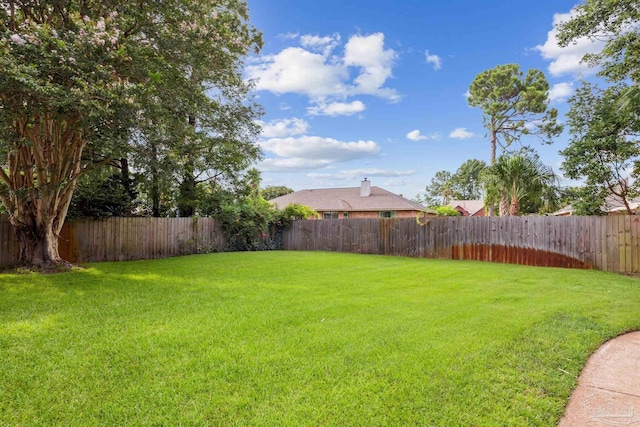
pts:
pixel 345 215
pixel 386 214
pixel 330 215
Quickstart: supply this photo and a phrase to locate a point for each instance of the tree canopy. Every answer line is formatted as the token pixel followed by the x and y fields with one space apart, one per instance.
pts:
pixel 272 191
pixel 464 184
pixel 516 178
pixel 513 104
pixel 440 189
pixel 80 79
pixel 604 144
pixel 616 23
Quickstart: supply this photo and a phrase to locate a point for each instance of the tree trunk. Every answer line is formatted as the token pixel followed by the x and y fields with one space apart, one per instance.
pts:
pixel 622 194
pixel 514 208
pixel 125 177
pixel 503 206
pixel 154 192
pixel 39 180
pixel 494 140
pixel 39 247
pixel 187 198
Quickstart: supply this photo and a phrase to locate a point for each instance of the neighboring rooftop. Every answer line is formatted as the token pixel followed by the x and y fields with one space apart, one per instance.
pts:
pixel 612 203
pixel 349 199
pixel 471 206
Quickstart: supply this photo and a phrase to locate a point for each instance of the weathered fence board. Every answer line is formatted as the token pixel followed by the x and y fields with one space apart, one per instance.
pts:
pixel 609 243
pixel 123 239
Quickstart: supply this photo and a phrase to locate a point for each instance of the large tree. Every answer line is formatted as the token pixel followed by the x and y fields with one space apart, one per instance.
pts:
pixel 464 184
pixel 604 143
pixel 466 181
pixel 77 76
pixel 440 188
pixel 513 104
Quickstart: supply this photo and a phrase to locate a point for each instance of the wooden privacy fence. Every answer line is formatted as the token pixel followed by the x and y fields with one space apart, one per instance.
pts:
pixel 608 243
pixel 123 239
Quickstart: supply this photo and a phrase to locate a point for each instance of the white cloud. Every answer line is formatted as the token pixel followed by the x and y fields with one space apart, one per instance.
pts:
pixel 567 60
pixel 467 94
pixel 351 174
pixel 435 60
pixel 415 135
pixel 285 165
pixel 376 63
pixel 336 108
pixel 560 91
pixel 296 70
pixel 313 71
pixel 461 133
pixel 324 44
pixel 288 36
pixel 312 152
pixel 283 128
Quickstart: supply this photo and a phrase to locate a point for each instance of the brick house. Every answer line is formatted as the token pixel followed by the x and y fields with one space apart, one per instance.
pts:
pixel 468 207
pixel 365 201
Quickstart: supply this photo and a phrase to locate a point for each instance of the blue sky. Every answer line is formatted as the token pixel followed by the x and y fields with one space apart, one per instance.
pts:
pixel 376 88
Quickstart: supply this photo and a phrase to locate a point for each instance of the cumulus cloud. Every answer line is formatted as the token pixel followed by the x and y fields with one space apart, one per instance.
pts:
pixel 415 135
pixel 435 60
pixel 351 174
pixel 324 44
pixel 461 133
pixel 311 152
pixel 336 108
pixel 560 91
pixel 296 70
pixel 567 60
pixel 284 127
pixel 313 70
pixel 375 62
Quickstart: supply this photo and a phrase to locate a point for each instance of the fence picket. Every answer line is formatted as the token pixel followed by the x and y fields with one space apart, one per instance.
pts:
pixel 608 243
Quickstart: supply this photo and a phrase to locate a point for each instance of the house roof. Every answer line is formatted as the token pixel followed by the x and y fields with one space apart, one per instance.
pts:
pixel 565 210
pixel 348 199
pixel 612 203
pixel 471 206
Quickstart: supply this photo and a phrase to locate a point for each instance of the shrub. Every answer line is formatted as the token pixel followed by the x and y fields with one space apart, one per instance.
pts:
pixel 245 223
pixel 256 224
pixel 447 211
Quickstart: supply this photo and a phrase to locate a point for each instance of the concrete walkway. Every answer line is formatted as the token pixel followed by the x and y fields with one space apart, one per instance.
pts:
pixel 608 391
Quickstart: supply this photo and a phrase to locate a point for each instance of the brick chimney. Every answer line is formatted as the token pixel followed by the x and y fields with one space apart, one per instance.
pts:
pixel 365 188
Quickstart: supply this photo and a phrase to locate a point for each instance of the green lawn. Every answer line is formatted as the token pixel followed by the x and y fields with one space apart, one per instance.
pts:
pixel 299 338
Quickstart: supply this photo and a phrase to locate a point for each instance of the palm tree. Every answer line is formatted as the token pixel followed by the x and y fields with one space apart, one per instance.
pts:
pixel 513 178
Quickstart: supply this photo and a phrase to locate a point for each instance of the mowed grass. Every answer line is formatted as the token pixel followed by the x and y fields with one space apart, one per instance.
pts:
pixel 299 338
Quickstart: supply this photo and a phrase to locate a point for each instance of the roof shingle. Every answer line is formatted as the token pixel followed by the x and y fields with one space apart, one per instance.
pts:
pixel 348 199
